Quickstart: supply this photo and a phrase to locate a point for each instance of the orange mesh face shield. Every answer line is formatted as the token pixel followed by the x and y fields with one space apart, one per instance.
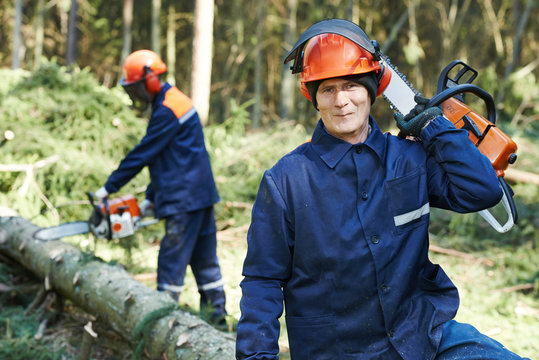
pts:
pixel 330 55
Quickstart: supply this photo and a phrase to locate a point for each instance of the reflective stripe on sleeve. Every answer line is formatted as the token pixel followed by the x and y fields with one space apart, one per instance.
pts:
pixel 187 115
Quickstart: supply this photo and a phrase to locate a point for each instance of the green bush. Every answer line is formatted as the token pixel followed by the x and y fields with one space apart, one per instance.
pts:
pixel 86 126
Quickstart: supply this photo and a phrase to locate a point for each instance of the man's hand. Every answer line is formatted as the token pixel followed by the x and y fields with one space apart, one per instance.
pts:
pixel 101 193
pixel 417 118
pixel 146 208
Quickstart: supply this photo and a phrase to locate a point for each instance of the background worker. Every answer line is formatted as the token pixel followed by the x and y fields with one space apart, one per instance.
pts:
pixel 339 229
pixel 182 189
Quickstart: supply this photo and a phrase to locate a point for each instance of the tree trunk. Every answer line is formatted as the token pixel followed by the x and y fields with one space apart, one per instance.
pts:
pixel 288 81
pixel 202 58
pixel 156 28
pixel 257 114
pixel 39 26
pixel 15 60
pixel 71 51
pixel 171 44
pixel 146 318
pixel 517 38
pixel 127 15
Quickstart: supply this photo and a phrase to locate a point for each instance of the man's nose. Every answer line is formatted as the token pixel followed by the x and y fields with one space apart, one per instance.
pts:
pixel 341 98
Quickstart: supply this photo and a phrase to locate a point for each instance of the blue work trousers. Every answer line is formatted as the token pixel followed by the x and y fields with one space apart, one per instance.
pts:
pixel 464 342
pixel 190 239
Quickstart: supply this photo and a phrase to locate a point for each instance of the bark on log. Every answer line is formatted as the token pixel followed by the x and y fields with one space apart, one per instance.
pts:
pixel 114 297
pixel 515 176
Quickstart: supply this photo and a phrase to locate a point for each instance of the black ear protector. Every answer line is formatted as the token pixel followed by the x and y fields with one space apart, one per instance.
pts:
pixel 153 84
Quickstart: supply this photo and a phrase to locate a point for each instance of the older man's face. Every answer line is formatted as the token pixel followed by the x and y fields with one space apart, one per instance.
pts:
pixel 344 107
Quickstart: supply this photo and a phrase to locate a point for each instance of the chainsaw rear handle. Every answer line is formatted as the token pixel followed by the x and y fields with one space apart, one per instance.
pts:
pixel 466 88
pixel 510 209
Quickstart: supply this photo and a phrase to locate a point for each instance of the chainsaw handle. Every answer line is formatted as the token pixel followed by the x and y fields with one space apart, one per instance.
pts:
pixel 97 215
pixel 466 88
pixel 510 209
pixel 444 81
pixel 107 215
pixel 507 190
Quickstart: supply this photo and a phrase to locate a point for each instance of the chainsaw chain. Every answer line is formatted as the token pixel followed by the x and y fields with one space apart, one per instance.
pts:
pixel 387 62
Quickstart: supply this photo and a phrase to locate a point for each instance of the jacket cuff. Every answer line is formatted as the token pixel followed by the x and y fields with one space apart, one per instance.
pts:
pixel 110 188
pixel 436 126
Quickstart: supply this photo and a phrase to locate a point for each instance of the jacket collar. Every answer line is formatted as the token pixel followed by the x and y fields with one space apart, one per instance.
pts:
pixel 160 96
pixel 331 150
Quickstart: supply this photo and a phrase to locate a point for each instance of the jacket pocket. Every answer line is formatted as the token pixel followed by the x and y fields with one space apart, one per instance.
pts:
pixel 312 337
pixel 408 198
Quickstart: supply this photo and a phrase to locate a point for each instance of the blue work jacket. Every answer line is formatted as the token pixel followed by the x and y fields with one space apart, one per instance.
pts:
pixel 340 233
pixel 173 149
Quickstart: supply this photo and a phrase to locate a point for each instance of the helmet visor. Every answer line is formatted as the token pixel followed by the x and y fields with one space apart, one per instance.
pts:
pixel 137 93
pixel 341 27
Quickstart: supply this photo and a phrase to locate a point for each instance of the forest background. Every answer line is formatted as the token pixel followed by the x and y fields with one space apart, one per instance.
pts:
pixel 60 62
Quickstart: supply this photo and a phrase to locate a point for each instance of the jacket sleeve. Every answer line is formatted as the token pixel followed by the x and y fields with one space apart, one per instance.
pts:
pixel 150 194
pixel 162 128
pixel 460 178
pixel 266 270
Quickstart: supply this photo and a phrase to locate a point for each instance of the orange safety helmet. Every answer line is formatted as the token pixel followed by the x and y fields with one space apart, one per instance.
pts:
pixel 143 65
pixel 332 55
pixel 337 48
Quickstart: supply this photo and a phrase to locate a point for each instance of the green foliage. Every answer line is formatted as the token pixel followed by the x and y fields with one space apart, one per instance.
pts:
pixel 17 337
pixel 86 126
pixel 521 98
pixel 17 328
pixel 240 159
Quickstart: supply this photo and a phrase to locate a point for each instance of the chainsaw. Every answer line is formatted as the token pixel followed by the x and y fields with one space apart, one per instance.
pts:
pixel 112 219
pixel 451 88
pixel 499 148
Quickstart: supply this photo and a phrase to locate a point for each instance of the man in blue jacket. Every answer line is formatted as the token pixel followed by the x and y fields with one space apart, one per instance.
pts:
pixel 182 189
pixel 339 230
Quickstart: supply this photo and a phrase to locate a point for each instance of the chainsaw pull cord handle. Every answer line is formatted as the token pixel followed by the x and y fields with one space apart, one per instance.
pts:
pixel 507 199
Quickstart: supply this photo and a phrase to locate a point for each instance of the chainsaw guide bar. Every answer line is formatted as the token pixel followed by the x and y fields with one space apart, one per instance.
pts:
pixel 61 231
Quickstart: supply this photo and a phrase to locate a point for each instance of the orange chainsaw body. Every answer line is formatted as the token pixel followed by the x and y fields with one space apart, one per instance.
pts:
pixel 122 204
pixel 124 212
pixel 489 139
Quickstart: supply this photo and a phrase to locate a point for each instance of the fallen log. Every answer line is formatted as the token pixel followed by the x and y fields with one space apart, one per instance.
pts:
pixel 149 320
pixel 516 176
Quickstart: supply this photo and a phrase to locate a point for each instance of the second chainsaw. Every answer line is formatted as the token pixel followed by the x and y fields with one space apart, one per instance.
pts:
pixel 112 219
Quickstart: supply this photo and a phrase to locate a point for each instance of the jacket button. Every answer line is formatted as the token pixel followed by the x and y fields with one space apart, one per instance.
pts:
pixel 375 239
pixel 384 287
pixel 364 195
pixel 359 149
pixel 392 333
